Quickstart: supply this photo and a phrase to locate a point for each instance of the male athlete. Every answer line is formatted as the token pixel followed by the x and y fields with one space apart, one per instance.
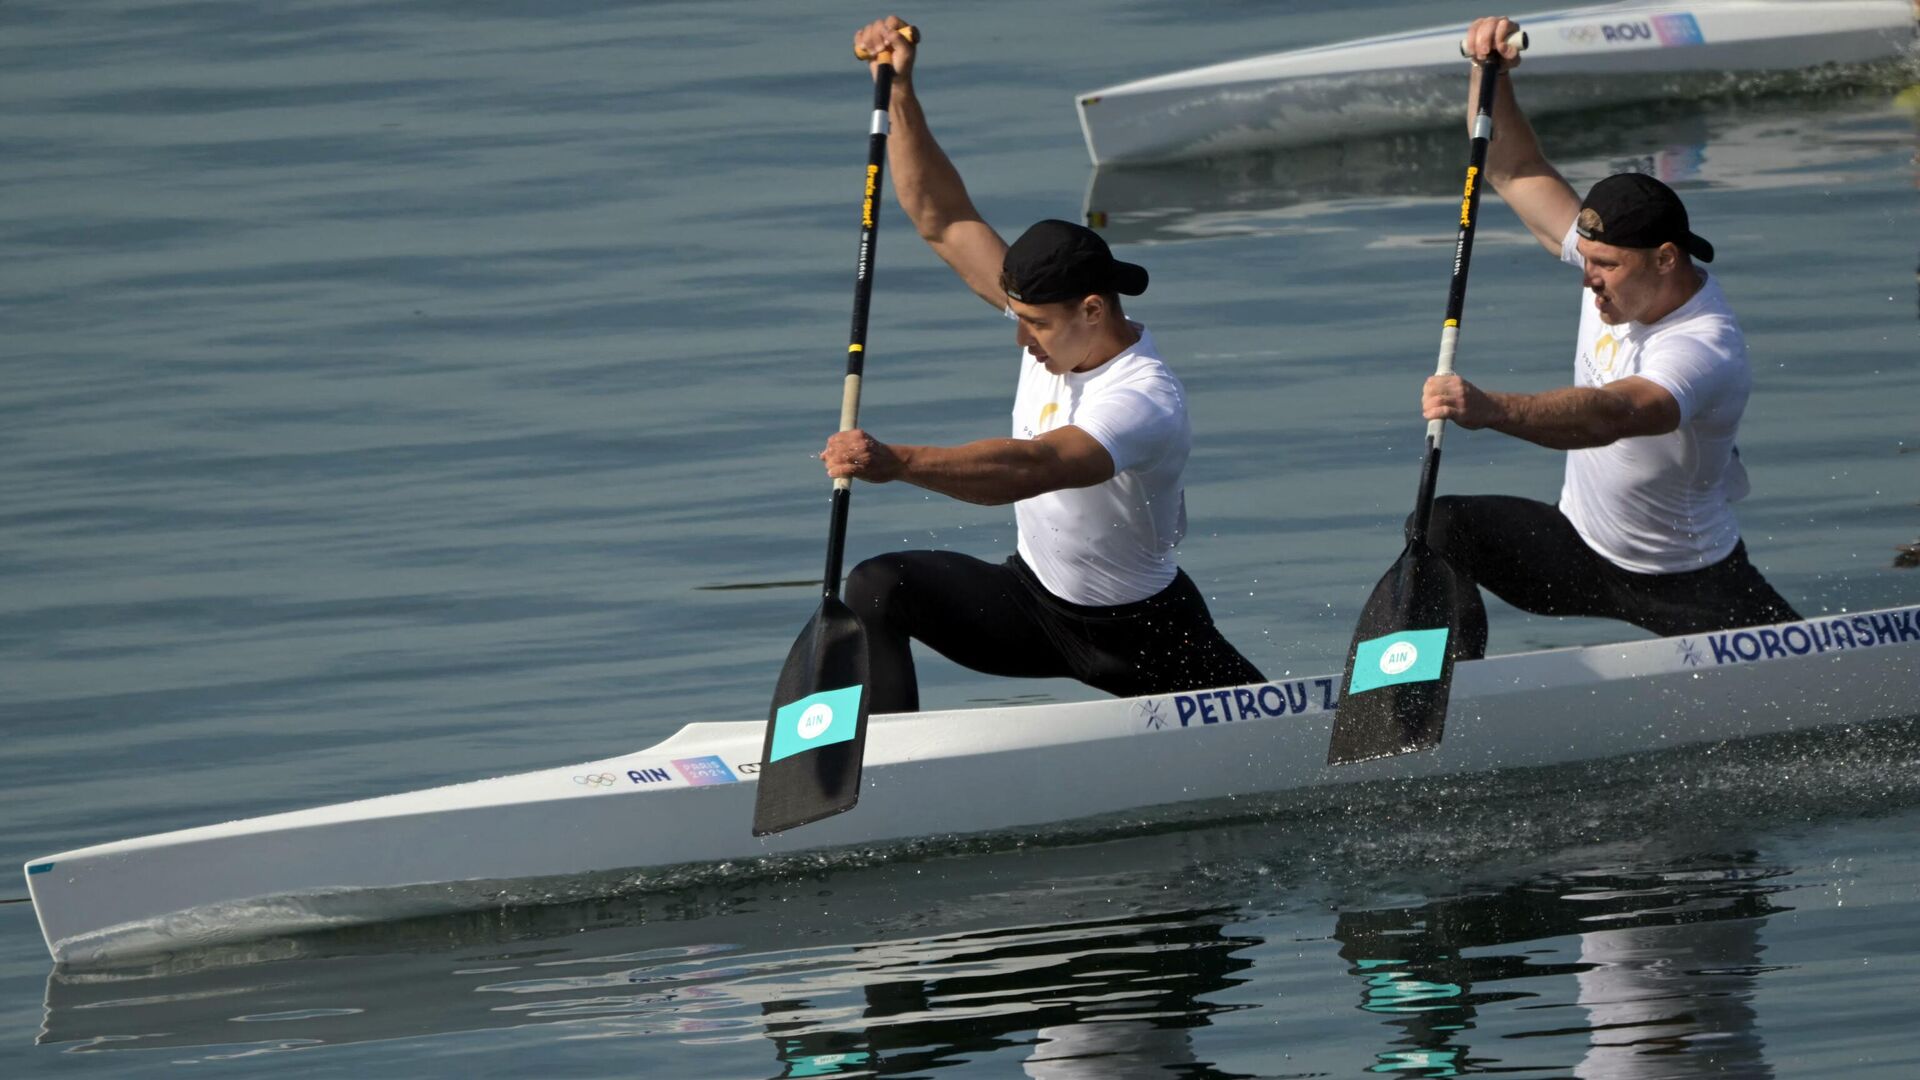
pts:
pixel 1100 439
pixel 1644 530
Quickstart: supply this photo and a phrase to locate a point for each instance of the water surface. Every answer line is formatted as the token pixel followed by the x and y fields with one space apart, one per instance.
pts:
pixel 389 386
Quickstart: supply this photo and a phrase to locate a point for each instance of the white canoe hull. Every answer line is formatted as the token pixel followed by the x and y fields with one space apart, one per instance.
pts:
pixel 1578 58
pixel 623 822
pixel 1726 146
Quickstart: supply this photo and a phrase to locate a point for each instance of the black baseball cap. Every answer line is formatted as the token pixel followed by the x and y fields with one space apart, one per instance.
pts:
pixel 1057 260
pixel 1633 210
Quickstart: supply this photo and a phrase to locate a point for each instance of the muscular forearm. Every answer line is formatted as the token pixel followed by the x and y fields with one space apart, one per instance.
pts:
pixel 928 186
pixel 1515 149
pixel 990 472
pixel 1570 418
pixel 1519 172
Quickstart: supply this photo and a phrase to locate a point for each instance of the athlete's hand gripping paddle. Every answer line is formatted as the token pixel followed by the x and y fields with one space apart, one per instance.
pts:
pixel 1393 696
pixel 817 727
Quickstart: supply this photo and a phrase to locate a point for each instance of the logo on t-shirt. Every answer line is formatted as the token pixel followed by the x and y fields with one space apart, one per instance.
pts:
pixel 1603 357
pixel 1048 413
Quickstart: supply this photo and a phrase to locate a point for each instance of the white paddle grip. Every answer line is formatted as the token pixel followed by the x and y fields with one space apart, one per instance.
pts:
pixel 1449 343
pixel 850 403
pixel 849 418
pixel 1518 39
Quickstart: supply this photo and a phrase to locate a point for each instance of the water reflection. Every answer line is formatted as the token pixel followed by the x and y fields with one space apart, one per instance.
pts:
pixel 1110 999
pixel 1806 140
pixel 1625 973
pixel 1114 997
pixel 1664 970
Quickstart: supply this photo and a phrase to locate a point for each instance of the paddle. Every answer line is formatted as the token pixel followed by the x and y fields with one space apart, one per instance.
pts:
pixel 817 727
pixel 1400 665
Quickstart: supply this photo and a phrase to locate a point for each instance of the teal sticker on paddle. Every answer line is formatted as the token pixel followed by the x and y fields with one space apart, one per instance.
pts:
pixel 826 1064
pixel 1402 657
pixel 816 720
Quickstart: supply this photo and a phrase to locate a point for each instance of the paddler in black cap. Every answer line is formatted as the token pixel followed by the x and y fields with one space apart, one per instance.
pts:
pixel 1643 529
pixel 1093 467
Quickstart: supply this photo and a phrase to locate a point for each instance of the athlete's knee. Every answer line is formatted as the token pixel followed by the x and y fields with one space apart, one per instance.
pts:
pixel 1770 606
pixel 877 585
pixel 1233 669
pixel 1449 526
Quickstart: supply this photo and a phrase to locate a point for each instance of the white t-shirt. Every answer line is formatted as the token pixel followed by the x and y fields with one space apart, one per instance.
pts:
pixel 1663 504
pixel 1111 543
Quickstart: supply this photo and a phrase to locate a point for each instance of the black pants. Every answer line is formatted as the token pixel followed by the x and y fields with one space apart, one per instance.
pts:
pixel 1528 554
pixel 1002 621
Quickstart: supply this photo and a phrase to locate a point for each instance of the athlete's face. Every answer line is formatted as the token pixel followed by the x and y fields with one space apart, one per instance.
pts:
pixel 1626 282
pixel 1062 336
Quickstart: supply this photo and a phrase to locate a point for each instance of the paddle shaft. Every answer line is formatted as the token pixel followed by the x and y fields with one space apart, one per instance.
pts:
pixel 816 734
pixel 1457 289
pixel 862 295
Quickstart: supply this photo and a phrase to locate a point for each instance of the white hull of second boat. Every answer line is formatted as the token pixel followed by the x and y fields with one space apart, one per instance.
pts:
pixel 1584 57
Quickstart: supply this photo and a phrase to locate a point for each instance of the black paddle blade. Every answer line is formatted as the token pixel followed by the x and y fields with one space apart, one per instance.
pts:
pixel 817 727
pixel 1422 616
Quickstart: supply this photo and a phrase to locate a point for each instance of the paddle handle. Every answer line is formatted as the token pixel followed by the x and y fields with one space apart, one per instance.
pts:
pixel 910 32
pixel 1457 288
pixel 862 295
pixel 1517 39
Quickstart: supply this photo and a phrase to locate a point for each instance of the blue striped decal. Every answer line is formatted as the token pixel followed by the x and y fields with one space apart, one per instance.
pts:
pixel 41 869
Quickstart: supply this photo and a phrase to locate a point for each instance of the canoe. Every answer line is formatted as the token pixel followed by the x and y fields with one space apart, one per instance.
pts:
pixel 1578 58
pixel 639 820
pixel 1806 140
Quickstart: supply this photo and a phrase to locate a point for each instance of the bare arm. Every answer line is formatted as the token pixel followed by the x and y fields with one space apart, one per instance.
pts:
pixel 1516 167
pixel 1570 418
pixel 989 472
pixel 925 181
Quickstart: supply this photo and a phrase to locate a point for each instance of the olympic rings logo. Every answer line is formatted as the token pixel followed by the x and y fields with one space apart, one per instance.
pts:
pixel 603 779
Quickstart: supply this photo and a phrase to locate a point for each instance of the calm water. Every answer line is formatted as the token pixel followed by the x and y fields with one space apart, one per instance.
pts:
pixel 384 383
